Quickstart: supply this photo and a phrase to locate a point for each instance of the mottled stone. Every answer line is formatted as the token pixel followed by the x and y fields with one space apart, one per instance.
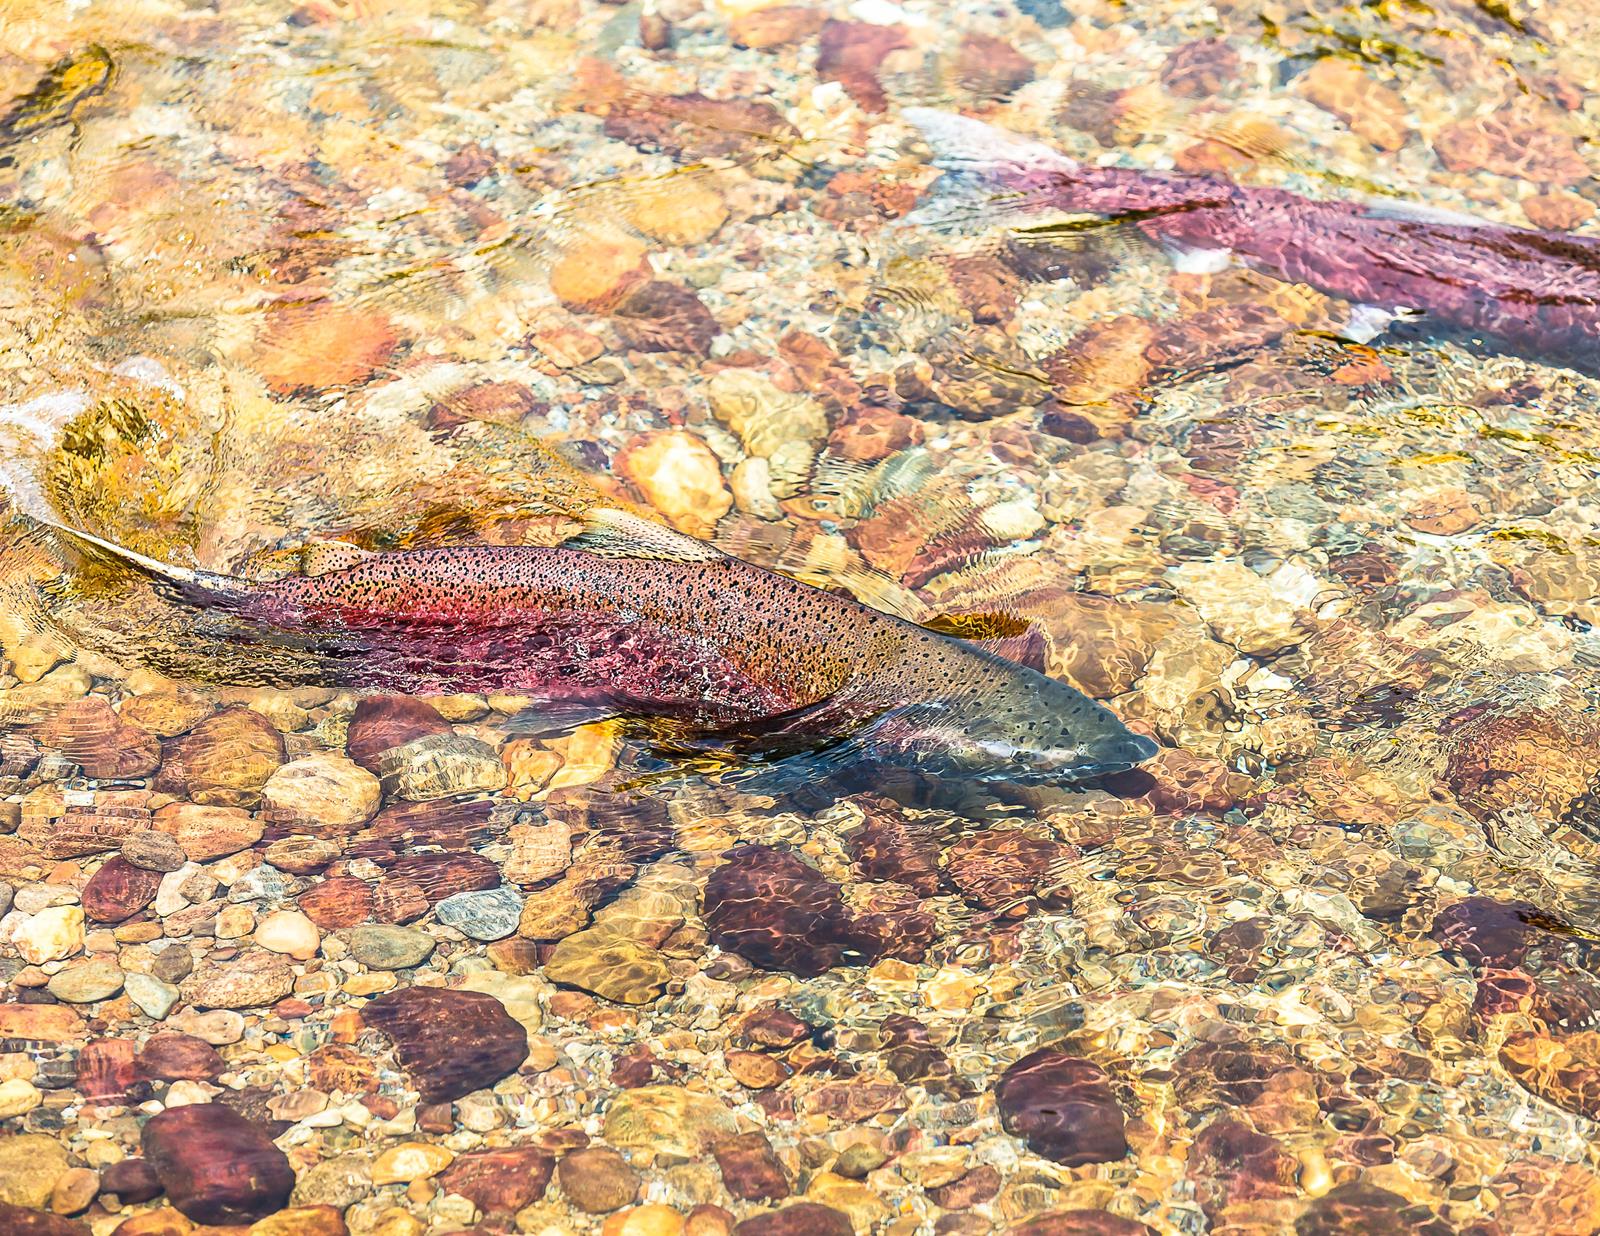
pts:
pixel 118 890
pixel 667 1120
pixel 776 911
pixel 1359 1208
pixel 801 1219
pixel 254 979
pixel 153 996
pixel 440 765
pixel 444 875
pixel 889 845
pixel 18 1221
pixel 107 1070
pixel 86 982
pixel 322 791
pixel 501 1181
pixel 342 901
pixel 131 1180
pixel 597 1180
pixel 390 948
pixel 1486 932
pixel 1080 1223
pixel 1008 871
pixel 1564 1071
pixel 224 761
pixel 100 742
pixel 750 1169
pixel 30 1164
pixel 382 723
pixel 207 833
pixel 151 850
pixel 482 914
pixel 610 965
pixel 1063 1107
pixel 179 1057
pixel 216 1166
pixel 449 1042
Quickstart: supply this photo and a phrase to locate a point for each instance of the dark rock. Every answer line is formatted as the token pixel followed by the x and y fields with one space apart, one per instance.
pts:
pixel 1486 932
pixel 216 1166
pixel 597 1180
pixel 849 52
pixel 450 1042
pixel 890 846
pixel 1201 67
pixel 87 732
pixel 665 317
pixel 179 1057
pixel 750 1169
pixel 119 890
pixel 443 875
pixel 692 126
pixel 771 1026
pixel 801 1219
pixel 775 911
pixel 1230 1162
pixel 1062 1106
pixel 991 68
pixel 132 1180
pixel 1362 1209
pixel 501 1181
pixel 971 1189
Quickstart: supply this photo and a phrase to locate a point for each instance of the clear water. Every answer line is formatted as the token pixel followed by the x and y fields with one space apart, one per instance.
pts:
pixel 279 280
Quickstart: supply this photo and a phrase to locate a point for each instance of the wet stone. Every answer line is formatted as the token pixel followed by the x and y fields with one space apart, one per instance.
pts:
pixel 30 1164
pixel 1007 871
pixel 383 723
pixel 1362 1209
pixel 179 1057
pixel 107 1070
pixel 773 909
pixel 1062 1107
pixel 132 1181
pixel 502 1180
pixel 341 901
pixel 609 965
pixel 155 851
pixel 390 948
pixel 86 982
pixel 119 890
pixel 254 979
pixel 1486 932
pixel 440 765
pixel 1080 1223
pixel 750 1169
pixel 18 1221
pixel 800 1219
pixel 216 1166
pixel 223 761
pixel 486 914
pixel 597 1180
pixel 449 1042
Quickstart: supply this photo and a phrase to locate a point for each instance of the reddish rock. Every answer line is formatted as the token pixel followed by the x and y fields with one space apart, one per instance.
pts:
pixel 849 52
pixel 399 901
pixel 871 433
pixel 119 890
pixel 443 875
pixel 750 1169
pixel 1502 758
pixel 991 68
pixel 775 911
pixel 970 1189
pixel 1519 141
pixel 20 1221
pixel 468 165
pixel 1230 1162
pixel 775 26
pixel 1486 932
pixel 131 1180
pixel 106 1070
pixel 665 317
pixel 204 833
pixel 340 901
pixel 179 1057
pixel 1200 68
pixel 87 732
pixel 801 1219
pixel 1007 871
pixel 1062 1106
pixel 384 722
pixel 216 1166
pixel 598 1180
pixel 1362 1209
pixel 890 845
pixel 692 126
pixel 82 831
pixel 449 1042
pixel 501 1181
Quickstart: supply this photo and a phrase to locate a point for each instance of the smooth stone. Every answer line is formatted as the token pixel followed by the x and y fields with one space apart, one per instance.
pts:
pixel 224 761
pixel 302 1221
pixel 290 932
pixel 382 723
pixel 30 1164
pixel 598 960
pixel 482 914
pixel 119 890
pixel 1063 1107
pixel 179 1057
pixel 216 1166
pixel 132 1180
pixel 410 1161
pixel 19 1221
pixel 597 1180
pixel 441 766
pixel 18 1096
pixel 86 982
pixel 502 1180
pixel 382 947
pixel 339 1182
pixel 449 1042
pixel 154 998
pixel 801 1219
pixel 208 832
pixel 668 1120
pixel 323 790
pixel 151 850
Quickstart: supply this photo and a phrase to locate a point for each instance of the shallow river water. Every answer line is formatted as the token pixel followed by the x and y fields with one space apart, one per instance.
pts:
pixel 282 284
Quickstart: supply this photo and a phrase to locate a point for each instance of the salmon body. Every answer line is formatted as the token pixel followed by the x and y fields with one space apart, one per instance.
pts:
pixel 1536 292
pixel 717 643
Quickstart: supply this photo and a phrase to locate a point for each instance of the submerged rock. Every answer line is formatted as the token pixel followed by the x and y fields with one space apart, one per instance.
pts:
pixel 1062 1106
pixel 449 1042
pixel 216 1166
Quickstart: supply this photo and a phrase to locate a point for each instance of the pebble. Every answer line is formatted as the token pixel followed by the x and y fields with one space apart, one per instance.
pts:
pixel 86 982
pixel 290 932
pixel 597 1180
pixel 154 998
pixel 119 890
pixel 482 914
pixel 131 1180
pixel 668 1120
pixel 206 833
pixel 224 761
pixel 502 1180
pixel 382 723
pixel 609 965
pixel 441 765
pixel 30 1165
pixel 17 1097
pixel 216 1166
pixel 390 948
pixel 322 791
pixel 679 477
pixel 152 850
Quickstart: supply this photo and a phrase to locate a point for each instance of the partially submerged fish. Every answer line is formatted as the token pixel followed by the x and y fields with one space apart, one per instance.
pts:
pixel 643 622
pixel 1534 292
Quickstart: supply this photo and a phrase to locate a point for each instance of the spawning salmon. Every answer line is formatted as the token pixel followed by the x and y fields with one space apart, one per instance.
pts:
pixel 671 629
pixel 1533 292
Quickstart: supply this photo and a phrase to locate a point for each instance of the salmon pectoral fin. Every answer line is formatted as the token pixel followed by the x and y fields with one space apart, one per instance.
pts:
pixel 1004 634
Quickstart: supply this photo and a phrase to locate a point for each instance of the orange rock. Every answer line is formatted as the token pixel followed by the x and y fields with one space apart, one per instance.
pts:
pixel 1102 370
pixel 46 1023
pixel 679 476
pixel 321 345
pixel 1444 513
pixel 1372 111
pixel 677 213
pixel 597 272
pixel 1521 140
pixel 776 26
pixel 1557 210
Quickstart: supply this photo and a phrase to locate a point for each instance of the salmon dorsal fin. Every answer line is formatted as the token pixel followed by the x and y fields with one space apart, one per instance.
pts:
pixel 326 557
pixel 984 625
pixel 614 533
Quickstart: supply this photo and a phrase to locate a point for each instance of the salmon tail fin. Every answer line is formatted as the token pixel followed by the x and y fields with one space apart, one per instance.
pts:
pixel 988 171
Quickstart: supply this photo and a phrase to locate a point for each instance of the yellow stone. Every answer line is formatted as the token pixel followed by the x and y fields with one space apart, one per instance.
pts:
pixel 372 984
pixel 410 1161
pixel 679 476
pixel 18 1096
pixel 678 213
pixel 651 1219
pixel 865 1208
pixel 50 935
pixel 591 752
pixel 397 1223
